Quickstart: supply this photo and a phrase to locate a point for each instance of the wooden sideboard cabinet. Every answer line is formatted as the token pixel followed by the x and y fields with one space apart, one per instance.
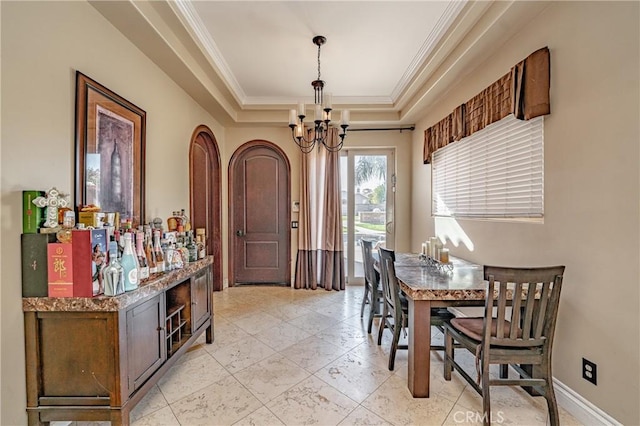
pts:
pixel 93 359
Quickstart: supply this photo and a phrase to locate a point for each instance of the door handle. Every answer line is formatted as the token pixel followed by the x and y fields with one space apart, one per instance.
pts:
pixel 240 233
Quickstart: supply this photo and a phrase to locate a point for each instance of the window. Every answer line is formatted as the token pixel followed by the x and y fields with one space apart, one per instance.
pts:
pixel 497 172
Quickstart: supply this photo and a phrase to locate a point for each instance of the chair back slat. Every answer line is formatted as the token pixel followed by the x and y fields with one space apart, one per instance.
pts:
pixel 541 312
pixel 394 289
pixel 386 256
pixel 367 261
pixel 535 294
pixel 529 311
pixel 515 329
pixel 502 303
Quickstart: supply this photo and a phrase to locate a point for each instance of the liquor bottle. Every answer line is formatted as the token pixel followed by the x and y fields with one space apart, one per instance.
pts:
pixel 129 263
pixel 185 221
pixel 172 222
pixel 113 274
pixel 200 242
pixel 142 257
pixel 180 256
pixel 157 250
pixel 180 220
pixel 191 247
pixel 148 250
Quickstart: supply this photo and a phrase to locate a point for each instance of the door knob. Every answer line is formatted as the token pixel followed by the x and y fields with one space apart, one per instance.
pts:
pixel 240 233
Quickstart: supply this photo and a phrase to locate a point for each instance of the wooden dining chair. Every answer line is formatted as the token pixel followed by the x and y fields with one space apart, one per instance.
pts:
pixel 521 335
pixel 395 310
pixel 372 288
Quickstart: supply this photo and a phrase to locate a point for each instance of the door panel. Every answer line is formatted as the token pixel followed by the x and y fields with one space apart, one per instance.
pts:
pixel 260 216
pixel 205 192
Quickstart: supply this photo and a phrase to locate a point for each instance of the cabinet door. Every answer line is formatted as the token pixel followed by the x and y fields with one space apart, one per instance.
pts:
pixel 145 341
pixel 201 298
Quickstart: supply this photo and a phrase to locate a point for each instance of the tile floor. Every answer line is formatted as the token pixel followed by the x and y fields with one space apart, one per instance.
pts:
pixel 294 357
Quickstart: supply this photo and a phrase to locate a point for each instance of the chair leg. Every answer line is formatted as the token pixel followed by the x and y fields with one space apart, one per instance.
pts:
pixel 448 354
pixel 364 299
pixel 394 346
pixel 504 371
pixel 550 395
pixel 486 395
pixel 383 323
pixel 372 311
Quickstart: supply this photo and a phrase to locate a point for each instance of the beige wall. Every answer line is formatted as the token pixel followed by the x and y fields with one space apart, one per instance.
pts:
pixel 42 45
pixel 592 192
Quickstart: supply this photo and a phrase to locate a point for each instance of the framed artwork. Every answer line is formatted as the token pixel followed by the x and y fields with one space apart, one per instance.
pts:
pixel 110 151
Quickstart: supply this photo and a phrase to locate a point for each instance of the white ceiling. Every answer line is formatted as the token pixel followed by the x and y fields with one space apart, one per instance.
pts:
pixel 249 62
pixel 265 52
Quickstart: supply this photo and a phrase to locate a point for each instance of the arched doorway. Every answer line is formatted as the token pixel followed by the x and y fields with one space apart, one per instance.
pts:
pixel 259 215
pixel 205 180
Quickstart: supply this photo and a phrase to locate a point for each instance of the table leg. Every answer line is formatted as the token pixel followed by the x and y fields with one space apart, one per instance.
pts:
pixel 419 347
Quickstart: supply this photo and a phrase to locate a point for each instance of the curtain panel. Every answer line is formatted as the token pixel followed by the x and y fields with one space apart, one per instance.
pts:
pixel 523 92
pixel 320 259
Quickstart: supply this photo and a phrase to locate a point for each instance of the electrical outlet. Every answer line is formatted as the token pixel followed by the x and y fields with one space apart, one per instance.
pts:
pixel 589 371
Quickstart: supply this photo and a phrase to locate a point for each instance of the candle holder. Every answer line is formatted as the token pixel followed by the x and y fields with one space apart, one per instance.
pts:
pixel 436 265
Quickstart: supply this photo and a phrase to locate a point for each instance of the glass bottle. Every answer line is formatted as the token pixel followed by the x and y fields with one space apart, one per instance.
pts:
pixel 113 274
pixel 185 221
pixel 68 222
pixel 180 220
pixel 191 247
pixel 148 250
pixel 142 257
pixel 129 263
pixel 181 256
pixel 157 251
pixel 200 243
pixel 172 222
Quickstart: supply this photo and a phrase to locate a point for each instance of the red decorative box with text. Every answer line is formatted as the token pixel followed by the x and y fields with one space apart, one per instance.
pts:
pixel 60 270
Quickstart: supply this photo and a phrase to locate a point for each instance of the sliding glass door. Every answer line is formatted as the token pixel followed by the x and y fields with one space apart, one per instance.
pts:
pixel 367 193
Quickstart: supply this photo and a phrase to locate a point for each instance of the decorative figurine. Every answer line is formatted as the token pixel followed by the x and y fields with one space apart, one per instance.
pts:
pixel 52 200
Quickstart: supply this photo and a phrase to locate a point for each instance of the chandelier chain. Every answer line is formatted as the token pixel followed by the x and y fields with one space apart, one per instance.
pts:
pixel 319 46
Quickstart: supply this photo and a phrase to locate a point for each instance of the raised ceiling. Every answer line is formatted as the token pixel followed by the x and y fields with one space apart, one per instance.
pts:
pixel 248 62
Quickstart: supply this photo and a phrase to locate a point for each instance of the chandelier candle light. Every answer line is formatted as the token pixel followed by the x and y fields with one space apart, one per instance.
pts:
pixel 322 119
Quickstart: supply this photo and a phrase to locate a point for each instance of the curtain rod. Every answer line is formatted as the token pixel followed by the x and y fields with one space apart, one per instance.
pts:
pixel 400 129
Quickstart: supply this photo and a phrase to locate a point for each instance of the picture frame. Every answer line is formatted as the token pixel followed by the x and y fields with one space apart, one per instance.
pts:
pixel 110 151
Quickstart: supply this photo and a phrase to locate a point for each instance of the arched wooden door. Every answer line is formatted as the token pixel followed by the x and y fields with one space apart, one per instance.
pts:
pixel 259 215
pixel 205 180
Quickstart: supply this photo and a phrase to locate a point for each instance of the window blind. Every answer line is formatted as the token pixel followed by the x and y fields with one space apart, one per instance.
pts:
pixel 497 172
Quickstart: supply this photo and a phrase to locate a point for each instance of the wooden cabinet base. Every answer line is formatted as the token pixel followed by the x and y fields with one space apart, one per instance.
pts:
pixel 88 364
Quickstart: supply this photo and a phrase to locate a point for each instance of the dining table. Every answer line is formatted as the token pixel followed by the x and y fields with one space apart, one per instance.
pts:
pixel 427 285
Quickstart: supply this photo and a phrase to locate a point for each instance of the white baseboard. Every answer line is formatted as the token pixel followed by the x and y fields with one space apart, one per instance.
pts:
pixel 583 410
pixel 574 403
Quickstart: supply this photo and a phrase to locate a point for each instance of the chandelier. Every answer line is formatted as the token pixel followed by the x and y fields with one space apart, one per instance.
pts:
pixel 322 119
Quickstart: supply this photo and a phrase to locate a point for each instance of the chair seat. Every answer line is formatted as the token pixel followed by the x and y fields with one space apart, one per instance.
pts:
pixel 473 327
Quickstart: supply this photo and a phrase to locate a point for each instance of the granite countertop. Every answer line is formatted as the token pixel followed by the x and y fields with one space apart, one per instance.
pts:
pixel 464 283
pixel 420 282
pixel 148 288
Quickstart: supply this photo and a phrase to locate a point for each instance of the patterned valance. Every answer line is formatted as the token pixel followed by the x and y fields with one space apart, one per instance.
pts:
pixel 523 92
